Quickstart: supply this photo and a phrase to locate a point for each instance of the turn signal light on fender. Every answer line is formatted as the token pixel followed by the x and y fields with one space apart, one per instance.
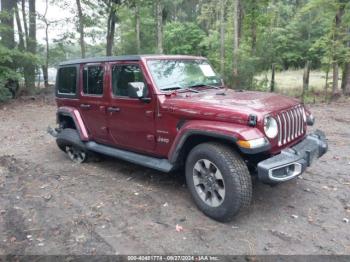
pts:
pixel 254 143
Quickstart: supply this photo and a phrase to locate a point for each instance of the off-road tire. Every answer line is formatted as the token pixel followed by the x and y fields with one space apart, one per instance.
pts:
pixel 237 180
pixel 70 137
pixel 69 134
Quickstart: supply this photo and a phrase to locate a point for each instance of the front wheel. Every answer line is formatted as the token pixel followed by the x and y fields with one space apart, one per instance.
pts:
pixel 218 180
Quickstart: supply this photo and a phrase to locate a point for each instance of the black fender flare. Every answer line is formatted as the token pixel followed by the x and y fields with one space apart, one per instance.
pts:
pixel 77 119
pixel 175 154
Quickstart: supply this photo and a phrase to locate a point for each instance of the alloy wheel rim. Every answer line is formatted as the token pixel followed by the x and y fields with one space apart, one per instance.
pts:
pixel 209 183
pixel 75 154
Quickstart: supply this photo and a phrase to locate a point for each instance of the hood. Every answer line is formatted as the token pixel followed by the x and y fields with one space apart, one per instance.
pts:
pixel 227 105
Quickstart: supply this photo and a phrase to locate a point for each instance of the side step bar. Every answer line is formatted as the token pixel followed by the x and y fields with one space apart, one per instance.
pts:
pixel 162 165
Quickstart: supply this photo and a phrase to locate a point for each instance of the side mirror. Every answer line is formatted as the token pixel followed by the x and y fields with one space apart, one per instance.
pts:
pixel 138 90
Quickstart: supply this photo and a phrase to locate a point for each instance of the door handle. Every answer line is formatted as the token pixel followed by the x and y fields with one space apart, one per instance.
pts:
pixel 85 106
pixel 113 109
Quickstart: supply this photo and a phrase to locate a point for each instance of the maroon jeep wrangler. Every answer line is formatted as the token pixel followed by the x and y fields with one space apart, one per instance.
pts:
pixel 171 112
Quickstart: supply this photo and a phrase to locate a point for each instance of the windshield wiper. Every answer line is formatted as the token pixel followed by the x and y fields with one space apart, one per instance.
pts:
pixel 189 89
pixel 171 88
pixel 204 85
pixel 181 89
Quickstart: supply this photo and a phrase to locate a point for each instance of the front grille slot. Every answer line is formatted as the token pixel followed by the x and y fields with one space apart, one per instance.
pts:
pixel 290 124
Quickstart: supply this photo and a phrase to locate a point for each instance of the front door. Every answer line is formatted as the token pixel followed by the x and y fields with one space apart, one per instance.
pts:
pixel 130 121
pixel 93 101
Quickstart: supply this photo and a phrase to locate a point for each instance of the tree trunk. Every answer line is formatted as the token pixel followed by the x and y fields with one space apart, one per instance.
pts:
pixel 338 21
pixel 306 77
pixel 32 27
pixel 45 76
pixel 39 81
pixel 29 69
pixel 46 66
pixel 24 17
pixel 253 28
pixel 240 20
pixel 346 73
pixel 335 90
pixel 272 84
pixel 7 20
pixel 20 30
pixel 346 79
pixel 236 23
pixel 159 16
pixel 326 82
pixel 137 24
pixel 222 38
pixel 112 18
pixel 81 28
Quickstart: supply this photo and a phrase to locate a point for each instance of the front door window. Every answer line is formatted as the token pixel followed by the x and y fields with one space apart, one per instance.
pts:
pixel 122 75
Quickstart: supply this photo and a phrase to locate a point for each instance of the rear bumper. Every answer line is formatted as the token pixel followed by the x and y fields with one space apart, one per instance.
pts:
pixel 292 162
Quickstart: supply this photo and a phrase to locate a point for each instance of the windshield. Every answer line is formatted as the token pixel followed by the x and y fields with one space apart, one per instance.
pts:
pixel 178 74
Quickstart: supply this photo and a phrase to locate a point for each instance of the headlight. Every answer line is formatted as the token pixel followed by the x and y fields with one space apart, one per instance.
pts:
pixel 270 127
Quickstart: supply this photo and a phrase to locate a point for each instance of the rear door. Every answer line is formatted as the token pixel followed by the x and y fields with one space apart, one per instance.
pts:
pixel 131 122
pixel 93 100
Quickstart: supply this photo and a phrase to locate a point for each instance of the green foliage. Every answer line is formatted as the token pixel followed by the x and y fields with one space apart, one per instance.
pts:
pixel 331 45
pixel 12 63
pixel 5 93
pixel 7 74
pixel 286 33
pixel 184 38
pixel 212 44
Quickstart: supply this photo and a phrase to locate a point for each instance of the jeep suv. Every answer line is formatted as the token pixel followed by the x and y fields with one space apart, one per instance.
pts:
pixel 173 112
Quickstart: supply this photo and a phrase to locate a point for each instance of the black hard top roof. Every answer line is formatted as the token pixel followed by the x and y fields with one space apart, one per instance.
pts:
pixel 101 59
pixel 122 58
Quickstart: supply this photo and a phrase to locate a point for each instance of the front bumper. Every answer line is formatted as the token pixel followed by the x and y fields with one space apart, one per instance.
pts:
pixel 292 162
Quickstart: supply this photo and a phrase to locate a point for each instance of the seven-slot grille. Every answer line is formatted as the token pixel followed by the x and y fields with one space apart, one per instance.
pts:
pixel 290 124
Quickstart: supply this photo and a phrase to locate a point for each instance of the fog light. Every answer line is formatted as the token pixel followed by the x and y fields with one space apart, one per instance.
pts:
pixel 310 120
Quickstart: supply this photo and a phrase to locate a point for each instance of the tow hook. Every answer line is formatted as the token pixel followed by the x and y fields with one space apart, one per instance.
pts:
pixel 53 131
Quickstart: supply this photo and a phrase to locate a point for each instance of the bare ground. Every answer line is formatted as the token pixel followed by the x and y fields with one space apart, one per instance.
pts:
pixel 50 206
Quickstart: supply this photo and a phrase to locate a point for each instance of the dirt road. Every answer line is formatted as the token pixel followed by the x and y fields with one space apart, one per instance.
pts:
pixel 50 206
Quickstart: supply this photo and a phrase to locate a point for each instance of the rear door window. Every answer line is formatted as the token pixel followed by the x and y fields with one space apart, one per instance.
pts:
pixel 93 80
pixel 67 80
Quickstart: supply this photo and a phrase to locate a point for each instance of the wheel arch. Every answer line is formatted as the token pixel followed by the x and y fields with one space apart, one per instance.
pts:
pixel 193 132
pixel 66 121
pixel 73 120
pixel 193 138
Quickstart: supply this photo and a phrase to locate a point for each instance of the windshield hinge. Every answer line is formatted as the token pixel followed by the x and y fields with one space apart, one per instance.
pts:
pixel 252 120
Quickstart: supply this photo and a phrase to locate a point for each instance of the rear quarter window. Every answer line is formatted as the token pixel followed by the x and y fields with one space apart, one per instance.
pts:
pixel 66 83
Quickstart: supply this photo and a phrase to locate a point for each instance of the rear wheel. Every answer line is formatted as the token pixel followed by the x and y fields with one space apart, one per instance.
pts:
pixel 68 140
pixel 76 154
pixel 218 180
